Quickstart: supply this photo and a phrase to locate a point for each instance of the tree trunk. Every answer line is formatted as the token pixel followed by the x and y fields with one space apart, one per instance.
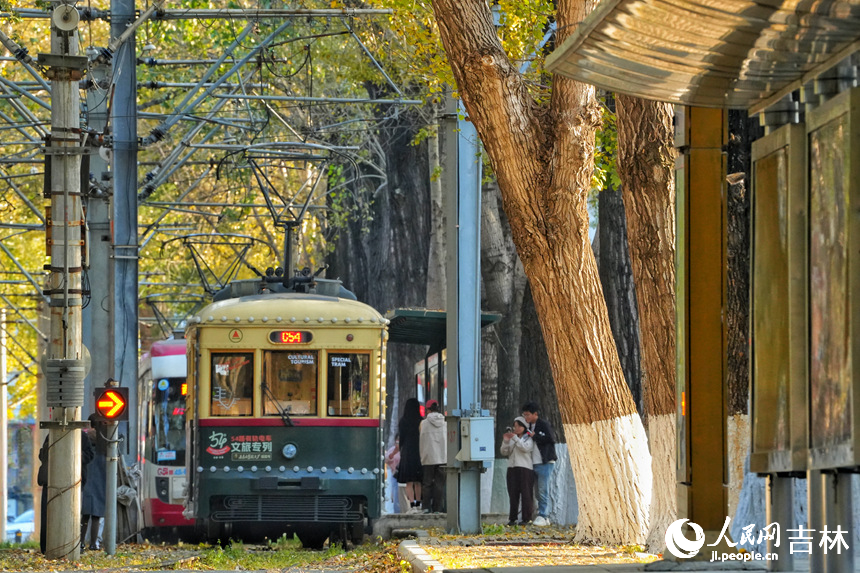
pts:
pixel 384 260
pixel 646 167
pixel 536 370
pixel 616 276
pixel 436 271
pixel 742 486
pixel 503 284
pixel 543 159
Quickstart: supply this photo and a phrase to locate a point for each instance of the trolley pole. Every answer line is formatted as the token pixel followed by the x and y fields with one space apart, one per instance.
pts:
pixel 65 365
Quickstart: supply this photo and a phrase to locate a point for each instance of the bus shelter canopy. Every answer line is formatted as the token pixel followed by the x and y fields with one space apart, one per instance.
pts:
pixel 422 326
pixel 709 53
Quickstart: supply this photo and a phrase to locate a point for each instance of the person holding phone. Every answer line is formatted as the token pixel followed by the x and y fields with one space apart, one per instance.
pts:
pixel 518 447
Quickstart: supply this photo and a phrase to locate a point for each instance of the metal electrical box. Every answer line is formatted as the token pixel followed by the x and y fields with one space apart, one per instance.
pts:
pixel 477 439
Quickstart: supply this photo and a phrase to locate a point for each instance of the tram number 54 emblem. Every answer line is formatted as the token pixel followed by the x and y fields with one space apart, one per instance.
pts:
pixel 218 444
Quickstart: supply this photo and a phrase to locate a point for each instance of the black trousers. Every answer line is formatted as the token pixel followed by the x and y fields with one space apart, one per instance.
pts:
pixel 521 483
pixel 433 488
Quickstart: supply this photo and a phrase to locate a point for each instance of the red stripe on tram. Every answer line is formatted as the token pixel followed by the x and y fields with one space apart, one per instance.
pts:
pixel 277 422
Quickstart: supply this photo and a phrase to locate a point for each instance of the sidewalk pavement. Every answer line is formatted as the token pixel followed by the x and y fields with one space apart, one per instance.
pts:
pixel 413 551
pixel 422 562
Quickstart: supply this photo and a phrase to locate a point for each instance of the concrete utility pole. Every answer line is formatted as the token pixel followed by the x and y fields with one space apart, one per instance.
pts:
pixel 97 314
pixel 125 244
pixel 470 430
pixel 4 429
pixel 65 364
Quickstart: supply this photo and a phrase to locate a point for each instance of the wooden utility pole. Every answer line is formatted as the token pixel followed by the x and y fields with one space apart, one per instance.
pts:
pixel 65 367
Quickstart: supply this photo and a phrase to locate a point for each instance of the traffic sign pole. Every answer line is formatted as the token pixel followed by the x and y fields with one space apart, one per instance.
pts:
pixel 111 406
pixel 110 488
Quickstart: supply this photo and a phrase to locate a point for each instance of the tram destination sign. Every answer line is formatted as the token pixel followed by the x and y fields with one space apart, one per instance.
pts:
pixel 290 336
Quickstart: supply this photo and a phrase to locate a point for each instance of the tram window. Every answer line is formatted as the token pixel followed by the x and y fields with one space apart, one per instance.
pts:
pixel 348 384
pixel 291 377
pixel 232 383
pixel 167 429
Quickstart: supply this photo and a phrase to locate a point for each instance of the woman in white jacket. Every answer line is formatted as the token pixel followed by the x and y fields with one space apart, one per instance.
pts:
pixel 518 447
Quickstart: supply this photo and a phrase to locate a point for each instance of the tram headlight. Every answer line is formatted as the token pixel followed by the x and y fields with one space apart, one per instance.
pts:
pixel 289 451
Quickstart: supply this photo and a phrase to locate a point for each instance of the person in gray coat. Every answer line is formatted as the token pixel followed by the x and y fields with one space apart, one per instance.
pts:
pixel 434 455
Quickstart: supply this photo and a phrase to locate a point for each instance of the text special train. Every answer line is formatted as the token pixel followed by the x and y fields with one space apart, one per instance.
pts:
pixel 284 406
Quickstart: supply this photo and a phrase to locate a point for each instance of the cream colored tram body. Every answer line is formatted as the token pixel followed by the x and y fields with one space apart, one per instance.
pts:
pixel 286 394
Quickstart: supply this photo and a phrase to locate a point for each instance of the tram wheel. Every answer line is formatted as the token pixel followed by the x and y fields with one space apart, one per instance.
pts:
pixel 313 538
pixel 225 533
pixel 357 533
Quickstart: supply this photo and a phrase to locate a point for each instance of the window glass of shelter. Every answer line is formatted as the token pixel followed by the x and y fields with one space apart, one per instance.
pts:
pixel 232 384
pixel 291 379
pixel 348 384
pixel 167 425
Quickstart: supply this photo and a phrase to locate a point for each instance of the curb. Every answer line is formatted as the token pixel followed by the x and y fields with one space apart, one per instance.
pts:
pixel 419 559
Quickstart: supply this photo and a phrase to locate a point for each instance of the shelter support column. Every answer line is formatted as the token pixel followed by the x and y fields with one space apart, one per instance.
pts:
pixel 700 286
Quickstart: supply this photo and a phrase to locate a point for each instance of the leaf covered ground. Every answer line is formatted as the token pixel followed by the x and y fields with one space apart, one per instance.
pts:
pixel 278 556
pixel 499 546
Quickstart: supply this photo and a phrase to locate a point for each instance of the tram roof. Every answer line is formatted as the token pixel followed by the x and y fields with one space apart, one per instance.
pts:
pixel 422 326
pixel 745 54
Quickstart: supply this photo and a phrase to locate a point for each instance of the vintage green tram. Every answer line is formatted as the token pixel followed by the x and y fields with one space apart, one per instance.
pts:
pixel 286 398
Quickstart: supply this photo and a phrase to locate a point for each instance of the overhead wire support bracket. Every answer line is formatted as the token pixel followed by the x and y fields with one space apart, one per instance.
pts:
pixel 158 133
pixel 25 58
pixel 372 59
pixel 106 54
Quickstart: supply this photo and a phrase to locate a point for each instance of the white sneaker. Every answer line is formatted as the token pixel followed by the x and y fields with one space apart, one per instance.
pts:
pixel 541 521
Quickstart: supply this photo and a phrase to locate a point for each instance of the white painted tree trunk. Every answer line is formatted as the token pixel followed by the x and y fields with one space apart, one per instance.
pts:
pixel 664 504
pixel 617 508
pixel 738 433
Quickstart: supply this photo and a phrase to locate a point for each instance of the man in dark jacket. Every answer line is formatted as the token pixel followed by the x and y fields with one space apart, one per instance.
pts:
pixel 544 458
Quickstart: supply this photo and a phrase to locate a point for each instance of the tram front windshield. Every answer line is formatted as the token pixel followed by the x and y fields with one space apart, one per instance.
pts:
pixel 167 426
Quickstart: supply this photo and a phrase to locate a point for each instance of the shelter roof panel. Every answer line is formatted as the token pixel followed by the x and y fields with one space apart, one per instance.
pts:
pixel 711 53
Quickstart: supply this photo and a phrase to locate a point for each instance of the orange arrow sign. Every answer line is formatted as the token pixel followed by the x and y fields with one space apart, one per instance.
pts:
pixel 110 404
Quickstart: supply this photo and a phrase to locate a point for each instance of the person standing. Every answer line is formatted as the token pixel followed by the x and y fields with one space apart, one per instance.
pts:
pixel 409 471
pixel 434 456
pixel 518 447
pixel 93 496
pixel 544 458
pixel 392 460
